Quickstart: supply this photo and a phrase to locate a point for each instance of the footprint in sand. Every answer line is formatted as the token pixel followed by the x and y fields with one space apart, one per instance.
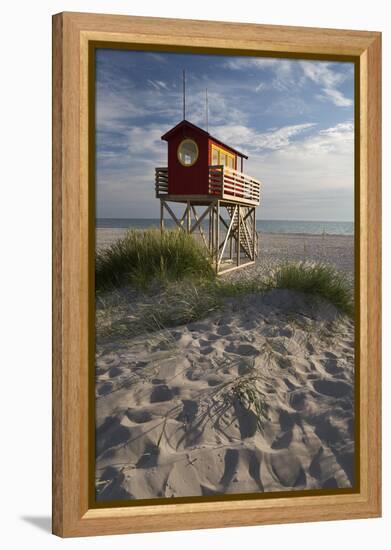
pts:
pixel 138 416
pixel 332 388
pixel 330 355
pixel 188 412
pixel 214 380
pixel 314 469
pixel 327 431
pixel 101 370
pixel 331 366
pixel 242 349
pixel 206 350
pixel 298 400
pixel 105 388
pixel 110 434
pixel 282 441
pixel 157 381
pixel 284 362
pixel 289 384
pixel 161 393
pixel 231 460
pixel 149 457
pixel 288 470
pixel 254 469
pixel 113 490
pixel 108 360
pixel 115 371
pixel 199 327
pixel 310 347
pixel 248 422
pixel 245 368
pixel 330 483
pixel 223 330
pixel 203 342
pixel 286 420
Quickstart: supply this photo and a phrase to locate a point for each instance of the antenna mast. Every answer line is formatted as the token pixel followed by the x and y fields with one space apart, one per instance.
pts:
pixel 184 94
pixel 206 109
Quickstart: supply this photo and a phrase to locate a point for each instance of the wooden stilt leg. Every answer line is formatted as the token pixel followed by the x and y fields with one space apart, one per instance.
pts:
pixel 188 217
pixel 238 240
pixel 217 235
pixel 161 216
pixel 254 235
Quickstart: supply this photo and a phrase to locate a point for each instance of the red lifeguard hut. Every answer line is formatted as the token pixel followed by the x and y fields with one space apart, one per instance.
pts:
pixel 205 173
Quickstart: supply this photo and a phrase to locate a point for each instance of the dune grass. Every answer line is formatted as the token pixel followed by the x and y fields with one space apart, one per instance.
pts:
pixel 319 279
pixel 144 255
pixel 177 260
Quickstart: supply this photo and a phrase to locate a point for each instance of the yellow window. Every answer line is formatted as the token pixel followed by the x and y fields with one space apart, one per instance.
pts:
pixel 219 156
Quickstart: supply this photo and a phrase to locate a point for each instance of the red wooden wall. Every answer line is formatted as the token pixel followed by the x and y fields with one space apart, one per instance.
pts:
pixel 188 180
pixel 191 180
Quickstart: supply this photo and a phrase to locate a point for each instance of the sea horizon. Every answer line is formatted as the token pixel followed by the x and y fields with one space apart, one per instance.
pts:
pixel 298 227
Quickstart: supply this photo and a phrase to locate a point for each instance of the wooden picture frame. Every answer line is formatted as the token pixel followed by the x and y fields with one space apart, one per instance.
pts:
pixel 73 35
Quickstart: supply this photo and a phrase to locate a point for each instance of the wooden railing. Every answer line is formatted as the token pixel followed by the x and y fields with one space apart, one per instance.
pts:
pixel 224 183
pixel 161 181
pixel 228 183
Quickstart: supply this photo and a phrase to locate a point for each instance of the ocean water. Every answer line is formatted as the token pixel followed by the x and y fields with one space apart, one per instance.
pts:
pixel 263 226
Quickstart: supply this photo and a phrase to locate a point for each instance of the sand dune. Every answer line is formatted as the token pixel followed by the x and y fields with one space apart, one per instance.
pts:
pixel 174 412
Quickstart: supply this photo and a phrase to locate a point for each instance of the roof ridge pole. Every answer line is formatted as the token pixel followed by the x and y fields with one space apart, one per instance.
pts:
pixel 184 94
pixel 206 109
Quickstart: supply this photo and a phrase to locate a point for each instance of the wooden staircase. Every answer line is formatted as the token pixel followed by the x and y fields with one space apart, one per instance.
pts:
pixel 245 234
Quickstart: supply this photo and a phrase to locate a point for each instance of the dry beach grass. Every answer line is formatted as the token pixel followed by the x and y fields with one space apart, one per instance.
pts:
pixel 201 390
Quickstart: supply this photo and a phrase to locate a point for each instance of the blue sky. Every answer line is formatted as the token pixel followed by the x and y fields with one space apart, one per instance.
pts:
pixel 294 119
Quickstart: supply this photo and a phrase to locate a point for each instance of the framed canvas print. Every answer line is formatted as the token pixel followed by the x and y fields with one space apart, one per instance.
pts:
pixel 216 238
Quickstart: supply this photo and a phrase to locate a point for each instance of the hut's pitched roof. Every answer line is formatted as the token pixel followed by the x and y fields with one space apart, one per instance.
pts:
pixel 186 123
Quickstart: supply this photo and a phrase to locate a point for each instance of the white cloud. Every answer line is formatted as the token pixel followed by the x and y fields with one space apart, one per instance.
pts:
pixel 113 109
pixel 336 97
pixel 321 153
pixel 308 179
pixel 116 108
pixel 157 57
pixel 239 63
pixel 283 71
pixel 324 160
pixel 221 106
pixel 321 73
pixel 248 139
pixel 158 84
pixel 144 141
pixel 286 76
pixel 261 86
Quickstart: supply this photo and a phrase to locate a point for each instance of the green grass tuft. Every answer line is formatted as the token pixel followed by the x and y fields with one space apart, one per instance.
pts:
pixel 246 391
pixel 144 255
pixel 320 280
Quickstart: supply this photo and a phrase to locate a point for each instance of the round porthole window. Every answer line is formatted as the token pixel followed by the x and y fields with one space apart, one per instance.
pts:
pixel 188 152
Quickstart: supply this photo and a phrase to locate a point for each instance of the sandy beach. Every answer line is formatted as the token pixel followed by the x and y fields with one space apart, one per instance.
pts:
pixel 175 412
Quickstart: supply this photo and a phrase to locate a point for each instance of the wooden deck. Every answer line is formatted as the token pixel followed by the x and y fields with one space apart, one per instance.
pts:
pixel 205 200
pixel 224 184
